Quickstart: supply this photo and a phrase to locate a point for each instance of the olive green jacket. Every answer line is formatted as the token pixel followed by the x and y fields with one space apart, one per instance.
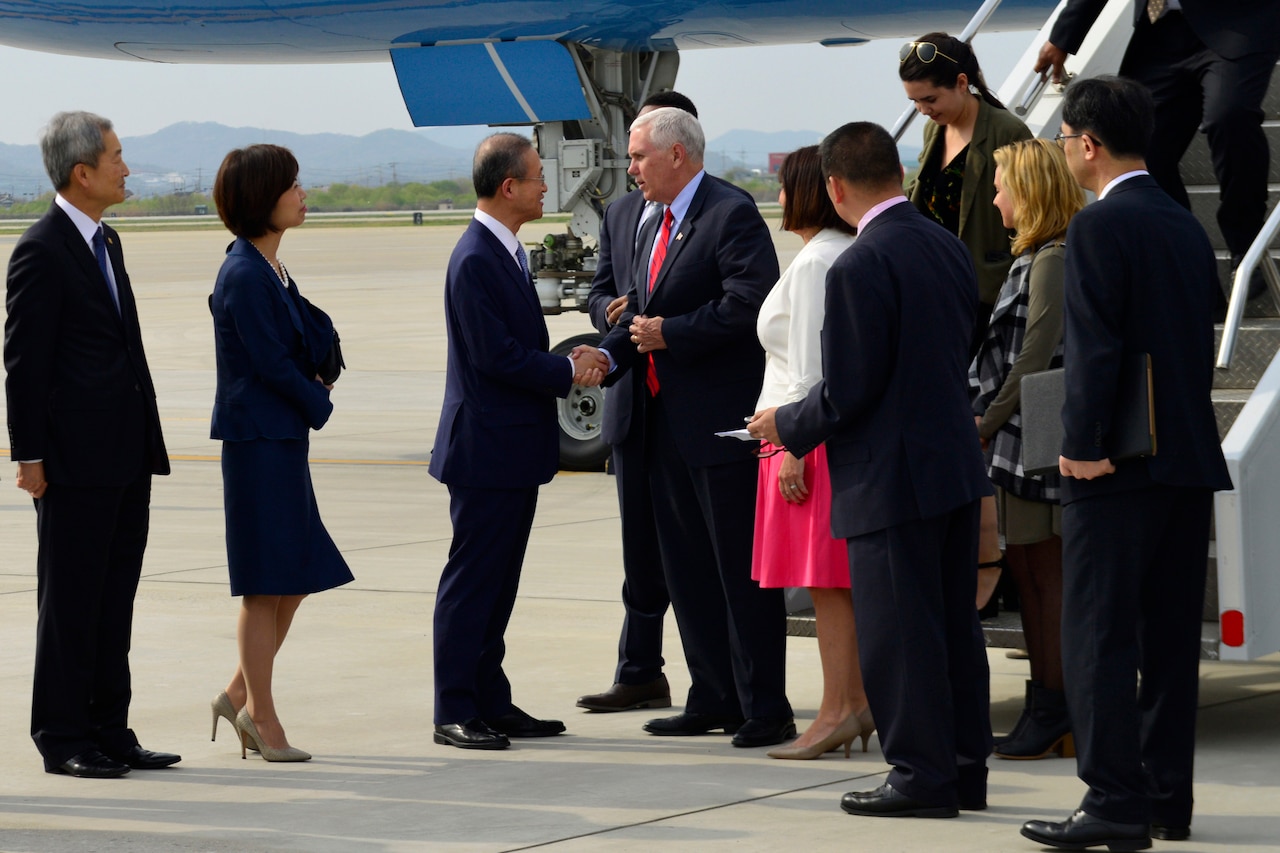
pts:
pixel 980 227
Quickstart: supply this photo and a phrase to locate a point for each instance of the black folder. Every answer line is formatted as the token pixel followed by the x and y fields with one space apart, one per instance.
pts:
pixel 1133 427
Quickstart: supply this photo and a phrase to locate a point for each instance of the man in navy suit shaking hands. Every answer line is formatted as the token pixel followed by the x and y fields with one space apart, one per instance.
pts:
pixel 686 350
pixel 498 440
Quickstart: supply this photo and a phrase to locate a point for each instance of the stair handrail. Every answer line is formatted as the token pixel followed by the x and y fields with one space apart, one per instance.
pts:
pixel 985 11
pixel 1259 254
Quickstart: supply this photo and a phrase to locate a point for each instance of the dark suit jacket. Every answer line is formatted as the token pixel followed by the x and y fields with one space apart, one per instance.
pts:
pixel 893 405
pixel 1230 28
pixel 266 373
pixel 612 279
pixel 498 427
pixel 1140 277
pixel 719 267
pixel 79 390
pixel 981 229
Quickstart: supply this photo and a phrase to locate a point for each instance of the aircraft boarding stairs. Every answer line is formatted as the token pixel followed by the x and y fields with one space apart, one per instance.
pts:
pixel 1243 593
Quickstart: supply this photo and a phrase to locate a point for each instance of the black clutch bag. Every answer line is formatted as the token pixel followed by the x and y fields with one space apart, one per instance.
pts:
pixel 329 364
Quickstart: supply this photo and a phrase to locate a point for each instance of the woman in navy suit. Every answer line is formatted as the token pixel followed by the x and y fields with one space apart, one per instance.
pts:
pixel 268 398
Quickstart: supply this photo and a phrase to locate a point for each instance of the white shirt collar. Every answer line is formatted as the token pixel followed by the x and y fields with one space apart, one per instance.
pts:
pixel 1120 178
pixel 502 232
pixel 83 222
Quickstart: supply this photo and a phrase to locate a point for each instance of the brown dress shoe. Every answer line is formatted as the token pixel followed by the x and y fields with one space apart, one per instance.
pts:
pixel 628 697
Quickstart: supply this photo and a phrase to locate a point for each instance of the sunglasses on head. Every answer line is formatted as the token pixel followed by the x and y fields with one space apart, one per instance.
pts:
pixel 927 51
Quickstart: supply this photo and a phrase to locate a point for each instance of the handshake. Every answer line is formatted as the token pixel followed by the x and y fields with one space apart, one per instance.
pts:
pixel 590 366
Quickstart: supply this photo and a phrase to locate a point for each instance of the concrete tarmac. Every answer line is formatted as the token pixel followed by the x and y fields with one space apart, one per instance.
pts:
pixel 353 682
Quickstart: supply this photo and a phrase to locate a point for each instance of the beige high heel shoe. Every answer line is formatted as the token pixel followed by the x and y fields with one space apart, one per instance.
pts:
pixel 867 724
pixel 222 707
pixel 843 735
pixel 249 732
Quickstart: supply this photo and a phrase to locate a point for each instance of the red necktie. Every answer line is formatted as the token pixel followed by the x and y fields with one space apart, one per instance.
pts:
pixel 655 266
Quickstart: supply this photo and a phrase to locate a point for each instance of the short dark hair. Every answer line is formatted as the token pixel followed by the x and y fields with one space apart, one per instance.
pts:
pixel 498 157
pixel 806 203
pixel 1116 111
pixel 670 99
pixel 862 153
pixel 953 57
pixel 250 182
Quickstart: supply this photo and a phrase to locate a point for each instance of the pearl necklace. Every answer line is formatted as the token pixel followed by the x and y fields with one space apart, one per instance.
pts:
pixel 281 273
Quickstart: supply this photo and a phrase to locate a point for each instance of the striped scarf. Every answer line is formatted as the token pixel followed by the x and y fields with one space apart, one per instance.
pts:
pixel 987 374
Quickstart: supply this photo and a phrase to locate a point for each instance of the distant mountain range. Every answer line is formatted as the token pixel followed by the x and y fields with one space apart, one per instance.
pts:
pixel 185 156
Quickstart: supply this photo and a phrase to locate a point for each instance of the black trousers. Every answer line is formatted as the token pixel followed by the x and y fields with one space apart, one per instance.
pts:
pixel 476 594
pixel 1191 84
pixel 923 656
pixel 734 632
pixel 644 589
pixel 1133 589
pixel 90 559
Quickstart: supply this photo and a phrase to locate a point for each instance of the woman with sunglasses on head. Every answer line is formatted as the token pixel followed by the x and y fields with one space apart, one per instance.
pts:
pixel 968 123
pixel 793 542
pixel 1036 196
pixel 268 399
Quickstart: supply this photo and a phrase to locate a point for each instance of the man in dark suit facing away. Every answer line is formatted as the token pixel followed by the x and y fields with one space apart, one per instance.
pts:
pixel 907 475
pixel 638 680
pixel 1140 278
pixel 687 340
pixel 85 432
pixel 497 442
pixel 1208 64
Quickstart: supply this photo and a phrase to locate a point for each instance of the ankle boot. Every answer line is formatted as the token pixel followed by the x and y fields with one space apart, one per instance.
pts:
pixel 1022 718
pixel 1047 729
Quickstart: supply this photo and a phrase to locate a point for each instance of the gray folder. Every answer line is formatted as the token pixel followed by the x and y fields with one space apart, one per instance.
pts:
pixel 1133 427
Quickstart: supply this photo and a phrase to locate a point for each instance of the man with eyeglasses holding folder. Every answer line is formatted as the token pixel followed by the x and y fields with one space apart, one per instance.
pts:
pixel 1140 278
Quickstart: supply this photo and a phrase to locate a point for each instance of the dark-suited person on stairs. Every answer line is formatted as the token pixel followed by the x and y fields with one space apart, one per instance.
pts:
pixel 687 338
pixel 1140 277
pixel 1208 64
pixel 85 432
pixel 906 477
pixel 497 442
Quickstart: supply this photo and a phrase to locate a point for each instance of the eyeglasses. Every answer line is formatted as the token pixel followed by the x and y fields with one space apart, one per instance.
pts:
pixel 542 179
pixel 760 453
pixel 927 51
pixel 1061 138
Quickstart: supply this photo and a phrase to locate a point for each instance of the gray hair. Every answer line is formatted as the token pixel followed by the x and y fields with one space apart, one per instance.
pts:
pixel 70 139
pixel 498 157
pixel 671 125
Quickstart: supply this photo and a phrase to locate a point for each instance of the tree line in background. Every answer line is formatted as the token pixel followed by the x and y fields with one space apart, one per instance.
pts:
pixel 346 198
pixel 335 198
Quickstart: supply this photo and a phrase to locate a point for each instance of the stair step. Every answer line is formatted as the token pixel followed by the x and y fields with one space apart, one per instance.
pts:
pixel 1204 206
pixel 1262 307
pixel 1197 166
pixel 1256 345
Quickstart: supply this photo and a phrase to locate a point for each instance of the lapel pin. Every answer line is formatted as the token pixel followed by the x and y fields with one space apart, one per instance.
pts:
pixel 679 235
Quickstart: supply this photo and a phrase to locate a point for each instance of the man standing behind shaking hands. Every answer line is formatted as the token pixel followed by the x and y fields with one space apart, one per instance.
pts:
pixel 498 440
pixel 85 432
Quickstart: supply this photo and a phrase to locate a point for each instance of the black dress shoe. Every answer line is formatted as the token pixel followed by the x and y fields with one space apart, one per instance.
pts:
pixel 1082 831
pixel 144 759
pixel 473 734
pixel 628 697
pixel 516 723
pixel 1170 832
pixel 765 731
pixel 686 724
pixel 91 764
pixel 886 801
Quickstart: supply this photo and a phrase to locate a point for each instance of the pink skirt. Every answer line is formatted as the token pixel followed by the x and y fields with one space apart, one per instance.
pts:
pixel 793 542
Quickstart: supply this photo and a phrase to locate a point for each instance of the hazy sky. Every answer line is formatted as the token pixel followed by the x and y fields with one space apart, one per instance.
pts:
pixel 803 87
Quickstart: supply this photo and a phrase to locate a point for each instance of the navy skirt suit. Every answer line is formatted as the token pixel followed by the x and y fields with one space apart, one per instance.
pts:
pixel 267 345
